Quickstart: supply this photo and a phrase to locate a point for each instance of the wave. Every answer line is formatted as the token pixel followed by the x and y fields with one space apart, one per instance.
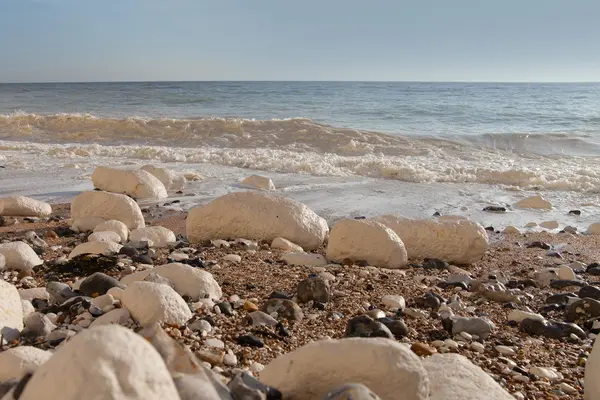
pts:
pixel 301 145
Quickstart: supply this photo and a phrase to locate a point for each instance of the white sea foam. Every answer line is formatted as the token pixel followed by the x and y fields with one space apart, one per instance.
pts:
pixel 299 146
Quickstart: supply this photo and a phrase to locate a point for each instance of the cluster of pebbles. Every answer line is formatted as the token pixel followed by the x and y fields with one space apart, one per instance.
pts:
pixel 527 313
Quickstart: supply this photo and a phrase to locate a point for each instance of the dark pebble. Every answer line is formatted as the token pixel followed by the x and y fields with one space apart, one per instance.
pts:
pixel 539 245
pixel 509 306
pixel 250 341
pixel 225 308
pixel 560 298
pixel 129 251
pixel 495 209
pixel 437 214
pixel 489 228
pixel 554 307
pixel 63 231
pixel 21 385
pixel 434 263
pixel 550 329
pixel 575 212
pixel 396 326
pixel 594 271
pixel 196 262
pixel 554 254
pixel 282 330
pixel 315 288
pixel 98 283
pixel 589 291
pixel 365 326
pixel 462 285
pixel 143 259
pixel 279 295
pixel 582 310
pixel 39 304
pixel 319 306
pixel 563 283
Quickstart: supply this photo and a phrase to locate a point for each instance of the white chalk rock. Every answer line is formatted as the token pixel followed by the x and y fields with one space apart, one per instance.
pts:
pixel 520 315
pixel 150 302
pixel 284 244
pixel 110 206
pixel 393 302
pixel 34 293
pixel 136 276
pixel 189 281
pixel 118 316
pixel 138 184
pixel 169 179
pixel 15 362
pixel 114 226
pixel 19 256
pixel 313 370
pixel 105 248
pixel 107 236
pixel 592 372
pixel 549 224
pixel 593 229
pixel 460 241
pixel 11 312
pixel 125 366
pixel 366 240
pixel 86 223
pixel 259 182
pixel 158 235
pixel 27 308
pixel 454 377
pixel 537 202
pixel 256 216
pixel 512 230
pixel 21 206
pixel 565 272
pixel 305 259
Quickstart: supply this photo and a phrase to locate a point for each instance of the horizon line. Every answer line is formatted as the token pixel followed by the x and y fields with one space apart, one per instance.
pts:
pixel 295 81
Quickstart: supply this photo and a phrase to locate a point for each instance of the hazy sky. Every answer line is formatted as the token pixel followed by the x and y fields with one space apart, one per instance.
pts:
pixel 439 40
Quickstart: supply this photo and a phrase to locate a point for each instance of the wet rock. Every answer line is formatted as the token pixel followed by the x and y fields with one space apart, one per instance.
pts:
pixel 550 329
pixel 582 310
pixel 98 284
pixel 284 308
pixel 495 209
pixel 316 289
pixel 365 326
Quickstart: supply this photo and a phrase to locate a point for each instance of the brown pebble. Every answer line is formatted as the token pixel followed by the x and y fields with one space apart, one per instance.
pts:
pixel 23 274
pixel 422 349
pixel 210 357
pixel 51 235
pixel 250 306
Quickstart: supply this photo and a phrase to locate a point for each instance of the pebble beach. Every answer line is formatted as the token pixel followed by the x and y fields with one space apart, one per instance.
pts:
pixel 255 296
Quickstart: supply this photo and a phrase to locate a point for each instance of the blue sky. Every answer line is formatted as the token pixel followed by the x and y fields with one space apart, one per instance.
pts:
pixel 429 40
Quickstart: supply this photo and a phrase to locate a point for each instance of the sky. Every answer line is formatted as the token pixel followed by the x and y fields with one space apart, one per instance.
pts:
pixel 380 40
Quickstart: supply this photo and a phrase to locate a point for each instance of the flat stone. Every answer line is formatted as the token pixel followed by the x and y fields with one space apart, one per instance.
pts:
pixel 365 326
pixel 285 309
pixel 98 283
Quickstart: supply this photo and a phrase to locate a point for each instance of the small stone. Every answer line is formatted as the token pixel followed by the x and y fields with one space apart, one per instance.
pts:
pixel 250 340
pixel 250 306
pixel 285 309
pixel 98 283
pixel 495 209
pixel 568 389
pixel 316 289
pixel 225 308
pixel 375 313
pixel 234 258
pixel 478 347
pixel 365 326
pixel 434 263
pixel 422 349
pixel 396 326
pixel 230 360
pixel 505 350
pixel 201 326
pixel 258 318
pixel 216 343
pixel 393 302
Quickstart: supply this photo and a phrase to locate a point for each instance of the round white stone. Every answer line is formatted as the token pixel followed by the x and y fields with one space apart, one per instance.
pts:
pixel 150 302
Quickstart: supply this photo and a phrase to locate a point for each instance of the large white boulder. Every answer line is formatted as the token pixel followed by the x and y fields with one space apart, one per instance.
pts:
pixel 257 216
pixel 114 226
pixel 19 256
pixel 86 223
pixel 537 202
pixel 454 377
pixel 21 206
pixel 366 240
pixel 150 302
pixel 15 362
pixel 170 179
pixel 592 372
pixel 105 248
pixel 109 206
pixel 138 184
pixel 260 182
pixel 459 241
pixel 313 370
pixel 11 312
pixel 104 362
pixel 158 235
pixel 104 236
pixel 189 281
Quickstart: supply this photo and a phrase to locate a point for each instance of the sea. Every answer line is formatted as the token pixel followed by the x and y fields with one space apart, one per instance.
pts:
pixel 344 148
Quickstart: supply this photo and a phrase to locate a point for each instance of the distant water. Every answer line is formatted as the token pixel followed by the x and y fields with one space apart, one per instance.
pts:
pixel 524 135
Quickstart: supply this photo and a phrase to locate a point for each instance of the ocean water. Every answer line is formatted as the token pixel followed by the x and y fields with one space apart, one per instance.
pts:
pixel 489 142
